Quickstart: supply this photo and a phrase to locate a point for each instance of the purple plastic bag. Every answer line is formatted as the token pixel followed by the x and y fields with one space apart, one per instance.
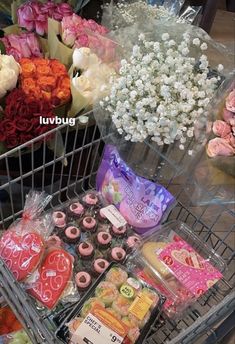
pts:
pixel 144 204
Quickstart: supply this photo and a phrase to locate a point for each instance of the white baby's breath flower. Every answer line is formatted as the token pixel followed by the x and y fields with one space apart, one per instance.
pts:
pixel 165 36
pixel 220 68
pixel 203 46
pixel 196 41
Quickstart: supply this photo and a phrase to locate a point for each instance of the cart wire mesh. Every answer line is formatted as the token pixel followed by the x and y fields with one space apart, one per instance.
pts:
pixel 35 166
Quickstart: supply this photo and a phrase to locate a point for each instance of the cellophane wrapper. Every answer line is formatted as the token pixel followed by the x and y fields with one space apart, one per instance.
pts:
pixel 115 16
pixel 22 245
pixel 214 177
pixel 136 154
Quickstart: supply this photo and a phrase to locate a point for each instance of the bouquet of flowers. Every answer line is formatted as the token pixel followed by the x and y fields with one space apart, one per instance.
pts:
pixel 75 32
pixel 160 95
pixel 22 45
pixel 33 15
pixel 90 79
pixel 9 72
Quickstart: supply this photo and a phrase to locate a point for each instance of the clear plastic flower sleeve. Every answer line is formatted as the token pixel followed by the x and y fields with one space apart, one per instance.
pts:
pixel 214 170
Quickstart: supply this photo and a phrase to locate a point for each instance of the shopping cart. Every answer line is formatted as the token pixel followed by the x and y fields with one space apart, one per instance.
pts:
pixel 74 171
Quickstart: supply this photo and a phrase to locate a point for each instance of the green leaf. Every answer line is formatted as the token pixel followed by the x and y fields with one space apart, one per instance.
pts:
pixel 2 148
pixel 2 48
pixel 80 4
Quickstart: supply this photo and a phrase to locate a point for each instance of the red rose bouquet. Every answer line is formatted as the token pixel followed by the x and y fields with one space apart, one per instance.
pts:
pixel 21 119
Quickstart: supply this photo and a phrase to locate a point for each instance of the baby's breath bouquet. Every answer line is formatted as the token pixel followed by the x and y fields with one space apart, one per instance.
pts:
pixel 165 83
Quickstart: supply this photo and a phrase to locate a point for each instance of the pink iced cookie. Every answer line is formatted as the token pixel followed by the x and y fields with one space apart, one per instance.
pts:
pixel 219 147
pixel 118 254
pixel 100 265
pixel 89 223
pixel 21 254
pixel 77 209
pixel 221 128
pixel 83 280
pixel 53 277
pixel 86 250
pixel 59 219
pixel 90 199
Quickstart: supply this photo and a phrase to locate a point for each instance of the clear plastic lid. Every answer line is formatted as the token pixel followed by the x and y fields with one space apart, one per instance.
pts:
pixel 178 264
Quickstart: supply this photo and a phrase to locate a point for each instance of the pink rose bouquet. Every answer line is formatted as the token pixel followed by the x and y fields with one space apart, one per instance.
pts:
pixel 33 15
pixel 81 33
pixel 22 45
pixel 224 144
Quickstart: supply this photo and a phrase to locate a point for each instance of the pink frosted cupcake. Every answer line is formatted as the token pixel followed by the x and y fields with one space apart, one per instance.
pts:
pixel 76 210
pixel 100 265
pixel 53 241
pixel 132 242
pixel 72 235
pixel 83 280
pixel 85 250
pixel 104 240
pixel 59 219
pixel 118 254
pixel 119 232
pixel 90 200
pixel 89 224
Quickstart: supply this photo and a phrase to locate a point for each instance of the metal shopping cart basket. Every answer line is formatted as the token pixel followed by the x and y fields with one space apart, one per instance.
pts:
pixel 65 176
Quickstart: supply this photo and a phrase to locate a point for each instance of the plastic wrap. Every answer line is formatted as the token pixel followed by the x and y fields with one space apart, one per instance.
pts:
pixel 214 169
pixel 178 264
pixel 122 306
pixel 182 151
pixel 119 14
pixel 22 245
pixel 143 204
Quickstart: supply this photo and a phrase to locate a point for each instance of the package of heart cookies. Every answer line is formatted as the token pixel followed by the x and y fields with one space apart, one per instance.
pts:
pixel 119 308
pixel 49 282
pixel 22 244
pixel 177 264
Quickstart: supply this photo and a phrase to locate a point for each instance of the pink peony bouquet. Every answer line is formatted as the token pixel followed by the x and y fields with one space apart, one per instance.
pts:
pixel 22 45
pixel 224 143
pixel 33 15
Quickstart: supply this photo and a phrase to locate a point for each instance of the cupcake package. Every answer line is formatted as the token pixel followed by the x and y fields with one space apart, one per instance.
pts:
pixel 119 306
pixel 95 234
pixel 178 264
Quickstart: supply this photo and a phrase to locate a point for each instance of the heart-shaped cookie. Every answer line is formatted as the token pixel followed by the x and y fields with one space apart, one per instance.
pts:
pixel 52 277
pixel 21 254
pixel 190 259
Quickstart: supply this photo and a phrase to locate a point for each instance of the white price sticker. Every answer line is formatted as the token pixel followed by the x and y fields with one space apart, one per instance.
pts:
pixel 114 216
pixel 92 331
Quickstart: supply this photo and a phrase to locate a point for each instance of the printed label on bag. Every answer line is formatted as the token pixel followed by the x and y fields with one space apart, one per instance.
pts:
pixel 114 216
pixel 195 273
pixel 100 326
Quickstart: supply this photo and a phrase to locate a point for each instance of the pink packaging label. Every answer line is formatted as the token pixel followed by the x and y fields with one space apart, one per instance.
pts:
pixel 195 273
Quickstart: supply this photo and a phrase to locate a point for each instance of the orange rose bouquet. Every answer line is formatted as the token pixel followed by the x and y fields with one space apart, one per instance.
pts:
pixel 46 80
